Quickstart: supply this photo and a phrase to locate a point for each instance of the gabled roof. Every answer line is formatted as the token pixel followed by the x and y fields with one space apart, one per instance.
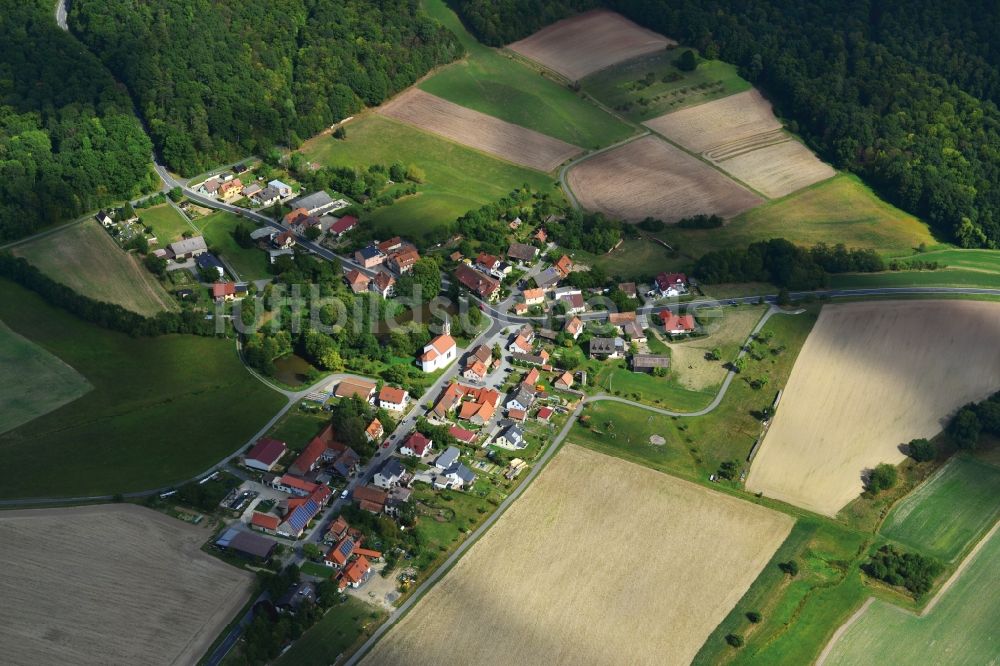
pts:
pixel 344 224
pixel 573 326
pixel 267 451
pixel 628 288
pixel 383 281
pixel 266 521
pixel 392 469
pixel 439 346
pixel 531 378
pixel 545 413
pixel 522 251
pixel 223 289
pixel 349 388
pixel 448 458
pixel 487 260
pixel 356 277
pixel 621 317
pixel 369 494
pixel 342 551
pixel 564 265
pixel 357 570
pixel 666 280
pixel 417 443
pixel 673 322
pixel 566 379
pixel 374 429
pixel 391 244
pixel 300 517
pixel 461 434
pixel 295 215
pixel 295 482
pixel 369 252
pixel 392 394
pixel 483 285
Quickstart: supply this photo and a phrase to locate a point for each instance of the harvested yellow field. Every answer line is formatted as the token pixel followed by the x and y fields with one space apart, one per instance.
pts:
pixel 477 130
pixel 114 584
pixel 741 135
pixel 651 178
pixel 870 377
pixel 584 44
pixel 85 258
pixel 778 169
pixel 601 561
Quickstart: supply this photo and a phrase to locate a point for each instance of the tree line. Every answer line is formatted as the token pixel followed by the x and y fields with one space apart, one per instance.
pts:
pixel 903 94
pixel 69 142
pixel 219 80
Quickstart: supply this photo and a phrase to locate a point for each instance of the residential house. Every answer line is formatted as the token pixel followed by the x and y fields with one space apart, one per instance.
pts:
pixel 522 398
pixel 355 574
pixel 209 264
pixel 438 353
pixel 564 266
pixel 290 217
pixel 302 511
pixel 548 278
pixel 355 388
pixel 541 358
pixel 297 596
pixel 534 296
pixel 447 458
pixel 544 414
pixel 104 217
pixel 511 438
pixel 226 176
pixel 231 189
pixel 517 415
pixel 210 187
pixel 633 331
pixel 293 485
pixel 520 344
pixel 284 241
pixel 281 188
pixel 267 196
pixel 487 263
pixel 462 435
pixel 574 327
pixel 515 224
pixel 240 169
pixel 674 324
pixel 374 431
pixel 316 203
pixel 520 309
pixel 649 362
pixel 392 398
pixel 303 223
pixel 357 281
pixel 457 477
pixel 187 248
pixel 341 552
pixel 604 348
pixel 522 252
pixel 370 499
pixel 479 405
pixel 403 261
pixel 619 319
pixel 325 448
pixel 342 226
pixel 250 190
pixel 264 233
pixel 265 522
pixel 671 284
pixel 392 473
pixel 629 289
pixel 369 256
pixel 228 291
pixel 265 454
pixel 389 246
pixel 564 382
pixel 416 445
pixel 483 286
pixel 531 378
pixel 383 284
pixel 541 236
pixel 478 363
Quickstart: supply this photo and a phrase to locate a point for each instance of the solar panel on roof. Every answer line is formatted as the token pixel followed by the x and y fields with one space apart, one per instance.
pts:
pixel 346 548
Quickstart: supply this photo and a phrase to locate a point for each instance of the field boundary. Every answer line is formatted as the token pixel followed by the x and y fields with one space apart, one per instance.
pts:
pixel 842 629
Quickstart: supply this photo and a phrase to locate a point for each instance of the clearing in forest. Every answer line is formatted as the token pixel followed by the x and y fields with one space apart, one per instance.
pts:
pixel 651 178
pixel 871 377
pixel 668 558
pixel 477 130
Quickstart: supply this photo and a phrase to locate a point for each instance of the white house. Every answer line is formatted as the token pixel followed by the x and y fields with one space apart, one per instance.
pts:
pixel 441 351
pixel 511 438
pixel 392 398
pixel 283 189
pixel 390 475
pixel 416 445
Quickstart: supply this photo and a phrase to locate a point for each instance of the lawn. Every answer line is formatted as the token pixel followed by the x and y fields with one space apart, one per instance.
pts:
pixel 615 378
pixel 838 210
pixel 168 223
pixel 696 446
pixel 960 629
pixel 503 86
pixel 949 511
pixel 250 263
pixel 458 179
pixel 162 410
pixel 621 87
pixel 636 259
pixel 798 614
pixel 84 257
pixel 297 427
pixel 335 634
pixel 43 382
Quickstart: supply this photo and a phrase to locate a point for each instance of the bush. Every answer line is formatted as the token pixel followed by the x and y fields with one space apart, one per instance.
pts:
pixel 687 62
pixel 700 222
pixel 791 567
pixel 734 639
pixel 754 616
pixel 883 477
pixel 921 450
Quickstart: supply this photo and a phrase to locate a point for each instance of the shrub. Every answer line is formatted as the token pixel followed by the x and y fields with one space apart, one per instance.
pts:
pixel 883 477
pixel 753 616
pixel 687 62
pixel 734 639
pixel 910 570
pixel 921 450
pixel 791 567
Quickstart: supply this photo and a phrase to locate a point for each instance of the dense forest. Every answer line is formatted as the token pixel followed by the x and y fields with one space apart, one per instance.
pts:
pixel 219 80
pixel 69 142
pixel 903 94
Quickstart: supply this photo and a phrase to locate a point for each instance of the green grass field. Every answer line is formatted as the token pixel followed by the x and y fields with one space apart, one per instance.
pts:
pixel 458 179
pixel 501 85
pixel 85 258
pixel 987 261
pixel 636 259
pixel 960 629
pixel 798 614
pixel 615 378
pixel 696 446
pixel 250 263
pixel 621 87
pixel 337 632
pixel 839 210
pixel 949 511
pixel 43 382
pixel 162 410
pixel 296 428
pixel 940 278
pixel 168 223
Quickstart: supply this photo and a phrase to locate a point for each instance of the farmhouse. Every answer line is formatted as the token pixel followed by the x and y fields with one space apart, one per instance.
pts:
pixel 484 286
pixel 324 447
pixel 522 252
pixel 370 499
pixel 284 240
pixel 565 381
pixel 281 188
pixel 649 362
pixel 439 352
pixel 607 348
pixel 671 284
pixel 295 597
pixel 677 324
pixel 293 485
pixel 187 248
pixel 416 445
pixel 355 388
pixel 382 284
pixel 392 398
pixel 302 511
pixel 479 406
pixel 265 454
pixel 357 281
pixel 620 318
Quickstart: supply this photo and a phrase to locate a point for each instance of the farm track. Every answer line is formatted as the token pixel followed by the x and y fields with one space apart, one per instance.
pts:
pixel 725 151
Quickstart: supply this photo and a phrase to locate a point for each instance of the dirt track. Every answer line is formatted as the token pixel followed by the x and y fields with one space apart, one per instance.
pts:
pixel 600 562
pixel 870 377
pixel 651 178
pixel 477 130
pixel 112 584
pixel 584 44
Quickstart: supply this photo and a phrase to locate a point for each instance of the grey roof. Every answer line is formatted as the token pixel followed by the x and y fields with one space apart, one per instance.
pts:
pixel 267 194
pixel 276 184
pixel 316 201
pixel 392 468
pixel 263 232
pixel 462 472
pixel 209 261
pixel 606 345
pixel 369 252
pixel 193 244
pixel 528 358
pixel 548 277
pixel 650 361
pixel 252 544
pixel 448 458
pixel 522 251
pixel 523 396
pixel 514 434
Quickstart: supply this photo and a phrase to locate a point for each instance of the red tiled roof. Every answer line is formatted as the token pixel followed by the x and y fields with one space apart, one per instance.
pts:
pixel 345 223
pixel 392 394
pixel 517 414
pixel 673 322
pixel 461 434
pixel 222 289
pixel 267 450
pixel 545 413
pixel 417 443
pixel 295 215
pixel 356 570
pixel 265 520
pixel 564 265
pixel 296 482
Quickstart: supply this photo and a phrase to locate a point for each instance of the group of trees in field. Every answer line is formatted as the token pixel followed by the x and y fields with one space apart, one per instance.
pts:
pixel 219 80
pixel 590 232
pixel 69 142
pixel 913 571
pixel 904 94
pixel 974 420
